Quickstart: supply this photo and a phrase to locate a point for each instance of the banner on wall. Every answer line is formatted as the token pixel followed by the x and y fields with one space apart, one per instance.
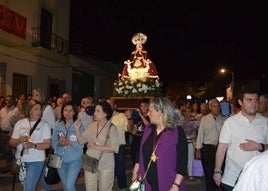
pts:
pixel 12 22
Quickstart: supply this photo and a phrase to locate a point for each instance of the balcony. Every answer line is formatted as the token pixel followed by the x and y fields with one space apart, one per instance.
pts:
pixel 50 41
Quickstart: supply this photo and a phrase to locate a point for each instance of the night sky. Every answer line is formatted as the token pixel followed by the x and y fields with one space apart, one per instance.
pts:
pixel 187 40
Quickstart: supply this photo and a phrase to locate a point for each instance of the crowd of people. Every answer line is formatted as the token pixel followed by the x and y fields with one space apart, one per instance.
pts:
pixel 165 137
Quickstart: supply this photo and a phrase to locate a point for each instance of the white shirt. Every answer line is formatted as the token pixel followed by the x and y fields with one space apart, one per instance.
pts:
pixel 236 130
pixel 41 132
pixel 254 175
pixel 209 130
pixel 49 116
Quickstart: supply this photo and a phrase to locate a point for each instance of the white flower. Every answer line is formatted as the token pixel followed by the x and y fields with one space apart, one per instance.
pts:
pixel 134 88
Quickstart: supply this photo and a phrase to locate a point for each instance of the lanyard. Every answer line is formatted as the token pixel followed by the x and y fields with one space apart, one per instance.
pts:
pixel 98 132
pixel 67 130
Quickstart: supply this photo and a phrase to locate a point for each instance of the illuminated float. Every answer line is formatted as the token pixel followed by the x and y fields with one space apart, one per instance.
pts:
pixel 139 77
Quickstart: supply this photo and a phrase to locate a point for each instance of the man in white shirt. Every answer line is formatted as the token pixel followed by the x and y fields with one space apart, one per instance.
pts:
pixel 242 137
pixel 207 141
pixel 7 121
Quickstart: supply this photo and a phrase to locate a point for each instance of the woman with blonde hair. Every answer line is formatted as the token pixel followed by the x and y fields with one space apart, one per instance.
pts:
pixel 163 155
pixel 48 114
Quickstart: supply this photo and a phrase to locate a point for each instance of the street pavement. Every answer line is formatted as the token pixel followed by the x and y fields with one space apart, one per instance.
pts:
pixel 6 179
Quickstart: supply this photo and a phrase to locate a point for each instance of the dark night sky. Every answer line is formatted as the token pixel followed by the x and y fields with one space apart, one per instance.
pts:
pixel 197 37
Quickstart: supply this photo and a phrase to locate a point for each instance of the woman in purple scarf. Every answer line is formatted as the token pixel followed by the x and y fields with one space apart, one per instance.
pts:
pixel 163 156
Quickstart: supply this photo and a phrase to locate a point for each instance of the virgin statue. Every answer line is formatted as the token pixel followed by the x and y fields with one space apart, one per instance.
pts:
pixel 139 66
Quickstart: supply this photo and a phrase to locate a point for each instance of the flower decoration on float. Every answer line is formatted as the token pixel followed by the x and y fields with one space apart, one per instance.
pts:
pixel 127 87
pixel 139 77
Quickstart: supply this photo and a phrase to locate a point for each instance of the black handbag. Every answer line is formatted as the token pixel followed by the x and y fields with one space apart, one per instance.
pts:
pixel 51 175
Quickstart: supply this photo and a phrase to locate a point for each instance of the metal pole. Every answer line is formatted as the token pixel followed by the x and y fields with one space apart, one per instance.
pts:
pixel 232 84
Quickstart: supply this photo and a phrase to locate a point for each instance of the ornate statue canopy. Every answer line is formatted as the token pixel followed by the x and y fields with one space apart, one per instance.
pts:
pixel 139 65
pixel 139 77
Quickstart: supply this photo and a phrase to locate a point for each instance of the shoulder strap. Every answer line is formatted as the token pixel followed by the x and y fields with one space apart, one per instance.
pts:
pixel 35 125
pixel 107 137
pixel 31 132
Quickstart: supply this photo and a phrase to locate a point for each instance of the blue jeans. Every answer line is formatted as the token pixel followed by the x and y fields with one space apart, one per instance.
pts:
pixel 33 172
pixel 120 167
pixel 68 173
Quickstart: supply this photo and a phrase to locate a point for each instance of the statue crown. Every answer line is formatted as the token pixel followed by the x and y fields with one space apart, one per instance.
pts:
pixel 139 38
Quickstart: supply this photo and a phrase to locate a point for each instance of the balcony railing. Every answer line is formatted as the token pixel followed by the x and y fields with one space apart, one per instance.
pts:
pixel 50 41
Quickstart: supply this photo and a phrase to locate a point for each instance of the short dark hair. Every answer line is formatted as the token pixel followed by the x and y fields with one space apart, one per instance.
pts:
pixel 145 100
pixel 106 107
pixel 249 88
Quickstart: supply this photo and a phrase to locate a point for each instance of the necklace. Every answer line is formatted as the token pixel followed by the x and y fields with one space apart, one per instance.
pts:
pixel 98 132
pixel 153 155
pixel 155 145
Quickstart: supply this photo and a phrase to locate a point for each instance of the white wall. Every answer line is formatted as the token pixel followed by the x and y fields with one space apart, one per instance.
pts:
pixel 39 68
pixel 31 9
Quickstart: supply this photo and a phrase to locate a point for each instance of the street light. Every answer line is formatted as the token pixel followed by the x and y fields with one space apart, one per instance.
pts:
pixel 232 83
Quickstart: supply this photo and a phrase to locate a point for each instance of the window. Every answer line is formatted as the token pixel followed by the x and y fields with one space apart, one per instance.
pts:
pixel 22 84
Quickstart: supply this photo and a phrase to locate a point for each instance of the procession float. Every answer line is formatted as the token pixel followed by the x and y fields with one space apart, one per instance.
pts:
pixel 139 78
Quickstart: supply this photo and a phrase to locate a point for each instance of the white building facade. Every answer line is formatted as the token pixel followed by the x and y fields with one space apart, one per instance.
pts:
pixel 34 53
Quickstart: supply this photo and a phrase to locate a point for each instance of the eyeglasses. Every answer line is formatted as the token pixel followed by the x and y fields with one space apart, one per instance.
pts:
pixel 160 104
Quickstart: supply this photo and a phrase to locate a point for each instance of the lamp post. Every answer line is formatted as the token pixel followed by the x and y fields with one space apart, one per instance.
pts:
pixel 232 83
